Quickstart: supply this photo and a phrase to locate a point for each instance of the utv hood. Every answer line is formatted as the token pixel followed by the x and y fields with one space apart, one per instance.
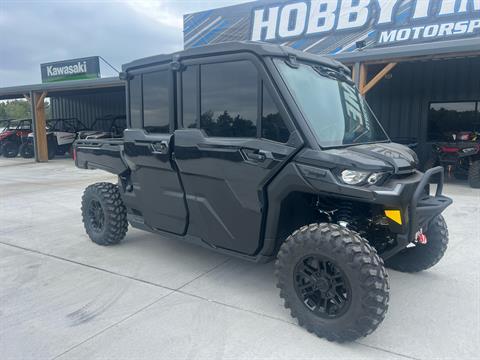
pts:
pixel 371 157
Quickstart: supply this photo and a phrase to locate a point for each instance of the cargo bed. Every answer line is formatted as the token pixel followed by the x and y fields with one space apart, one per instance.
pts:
pixel 104 154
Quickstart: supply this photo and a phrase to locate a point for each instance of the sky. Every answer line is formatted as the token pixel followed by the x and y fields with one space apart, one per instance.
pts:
pixel 38 31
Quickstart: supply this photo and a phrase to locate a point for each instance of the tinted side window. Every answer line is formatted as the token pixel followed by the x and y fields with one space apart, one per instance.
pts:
pixel 156 102
pixel 229 99
pixel 189 97
pixel 273 126
pixel 135 88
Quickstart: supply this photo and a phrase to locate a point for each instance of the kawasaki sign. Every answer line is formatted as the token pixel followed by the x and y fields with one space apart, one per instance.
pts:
pixel 75 69
pixel 336 26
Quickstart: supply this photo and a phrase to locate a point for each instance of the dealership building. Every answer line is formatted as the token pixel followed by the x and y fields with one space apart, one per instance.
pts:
pixel 416 61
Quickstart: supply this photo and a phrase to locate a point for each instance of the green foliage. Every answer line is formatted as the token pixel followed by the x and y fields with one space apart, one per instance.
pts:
pixel 15 109
pixel 19 109
pixel 227 126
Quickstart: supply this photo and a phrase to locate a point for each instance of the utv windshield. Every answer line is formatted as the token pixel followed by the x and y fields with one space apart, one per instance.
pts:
pixel 333 107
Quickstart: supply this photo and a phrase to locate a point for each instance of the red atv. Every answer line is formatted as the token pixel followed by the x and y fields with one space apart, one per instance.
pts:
pixel 12 134
pixel 461 155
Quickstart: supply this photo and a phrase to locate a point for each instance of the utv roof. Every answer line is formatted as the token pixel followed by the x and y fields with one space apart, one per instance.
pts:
pixel 257 48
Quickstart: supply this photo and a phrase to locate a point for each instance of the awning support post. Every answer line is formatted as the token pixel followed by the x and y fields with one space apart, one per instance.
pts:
pixel 381 74
pixel 29 98
pixel 40 132
pixel 359 75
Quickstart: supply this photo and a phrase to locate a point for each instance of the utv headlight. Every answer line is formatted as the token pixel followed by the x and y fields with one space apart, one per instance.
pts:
pixel 354 177
pixel 374 178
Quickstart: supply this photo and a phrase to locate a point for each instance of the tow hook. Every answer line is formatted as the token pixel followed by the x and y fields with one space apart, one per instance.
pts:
pixel 420 237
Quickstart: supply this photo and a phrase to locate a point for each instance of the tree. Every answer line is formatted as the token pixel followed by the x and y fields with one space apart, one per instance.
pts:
pixel 15 109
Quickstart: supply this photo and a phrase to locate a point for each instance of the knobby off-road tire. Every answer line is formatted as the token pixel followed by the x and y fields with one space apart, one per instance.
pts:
pixel 422 257
pixel 103 213
pixel 346 256
pixel 10 149
pixel 26 151
pixel 474 174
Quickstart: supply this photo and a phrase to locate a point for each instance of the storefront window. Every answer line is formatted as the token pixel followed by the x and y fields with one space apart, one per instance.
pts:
pixel 447 119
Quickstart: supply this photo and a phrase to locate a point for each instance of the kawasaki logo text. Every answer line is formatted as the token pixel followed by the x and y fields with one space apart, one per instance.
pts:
pixel 78 68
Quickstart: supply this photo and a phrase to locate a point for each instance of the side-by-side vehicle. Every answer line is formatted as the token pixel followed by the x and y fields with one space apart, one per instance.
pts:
pixel 12 135
pixel 61 133
pixel 108 126
pixel 267 153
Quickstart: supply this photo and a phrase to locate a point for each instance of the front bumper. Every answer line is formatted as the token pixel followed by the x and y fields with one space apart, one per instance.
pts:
pixel 421 209
pixel 409 194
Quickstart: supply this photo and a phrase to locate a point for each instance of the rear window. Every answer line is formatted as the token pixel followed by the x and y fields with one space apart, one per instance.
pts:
pixel 156 102
pixel 150 101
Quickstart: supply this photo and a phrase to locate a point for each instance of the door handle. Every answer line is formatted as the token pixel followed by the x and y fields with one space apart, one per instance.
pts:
pixel 257 155
pixel 160 147
pixel 267 154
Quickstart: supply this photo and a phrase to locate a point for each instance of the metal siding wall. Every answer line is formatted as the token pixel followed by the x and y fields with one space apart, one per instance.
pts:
pixel 88 107
pixel 401 103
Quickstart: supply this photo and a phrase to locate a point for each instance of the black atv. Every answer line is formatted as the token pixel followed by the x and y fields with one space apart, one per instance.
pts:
pixel 460 153
pixel 270 154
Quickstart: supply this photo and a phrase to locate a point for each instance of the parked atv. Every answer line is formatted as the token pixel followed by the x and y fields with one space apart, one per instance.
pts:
pixel 461 154
pixel 12 134
pixel 109 126
pixel 271 155
pixel 3 126
pixel 61 133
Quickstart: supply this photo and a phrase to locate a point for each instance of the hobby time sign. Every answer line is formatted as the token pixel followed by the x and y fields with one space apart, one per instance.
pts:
pixel 323 16
pixel 74 69
pixel 334 26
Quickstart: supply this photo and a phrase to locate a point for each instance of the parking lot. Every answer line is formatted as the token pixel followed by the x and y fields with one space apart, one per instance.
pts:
pixel 61 296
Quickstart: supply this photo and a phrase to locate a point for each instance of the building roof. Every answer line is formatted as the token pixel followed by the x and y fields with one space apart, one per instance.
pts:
pixel 60 88
pixel 257 48
pixel 444 48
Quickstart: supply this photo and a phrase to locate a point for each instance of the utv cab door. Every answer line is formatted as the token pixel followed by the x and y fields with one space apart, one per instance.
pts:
pixel 233 139
pixel 148 147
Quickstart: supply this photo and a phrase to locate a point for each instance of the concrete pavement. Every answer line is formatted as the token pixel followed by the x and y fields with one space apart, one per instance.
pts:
pixel 61 296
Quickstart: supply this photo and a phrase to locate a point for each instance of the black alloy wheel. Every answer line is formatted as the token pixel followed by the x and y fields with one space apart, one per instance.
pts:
pixel 333 281
pixel 96 216
pixel 322 286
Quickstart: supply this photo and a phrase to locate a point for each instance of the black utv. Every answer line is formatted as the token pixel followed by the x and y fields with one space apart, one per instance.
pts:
pixel 267 153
